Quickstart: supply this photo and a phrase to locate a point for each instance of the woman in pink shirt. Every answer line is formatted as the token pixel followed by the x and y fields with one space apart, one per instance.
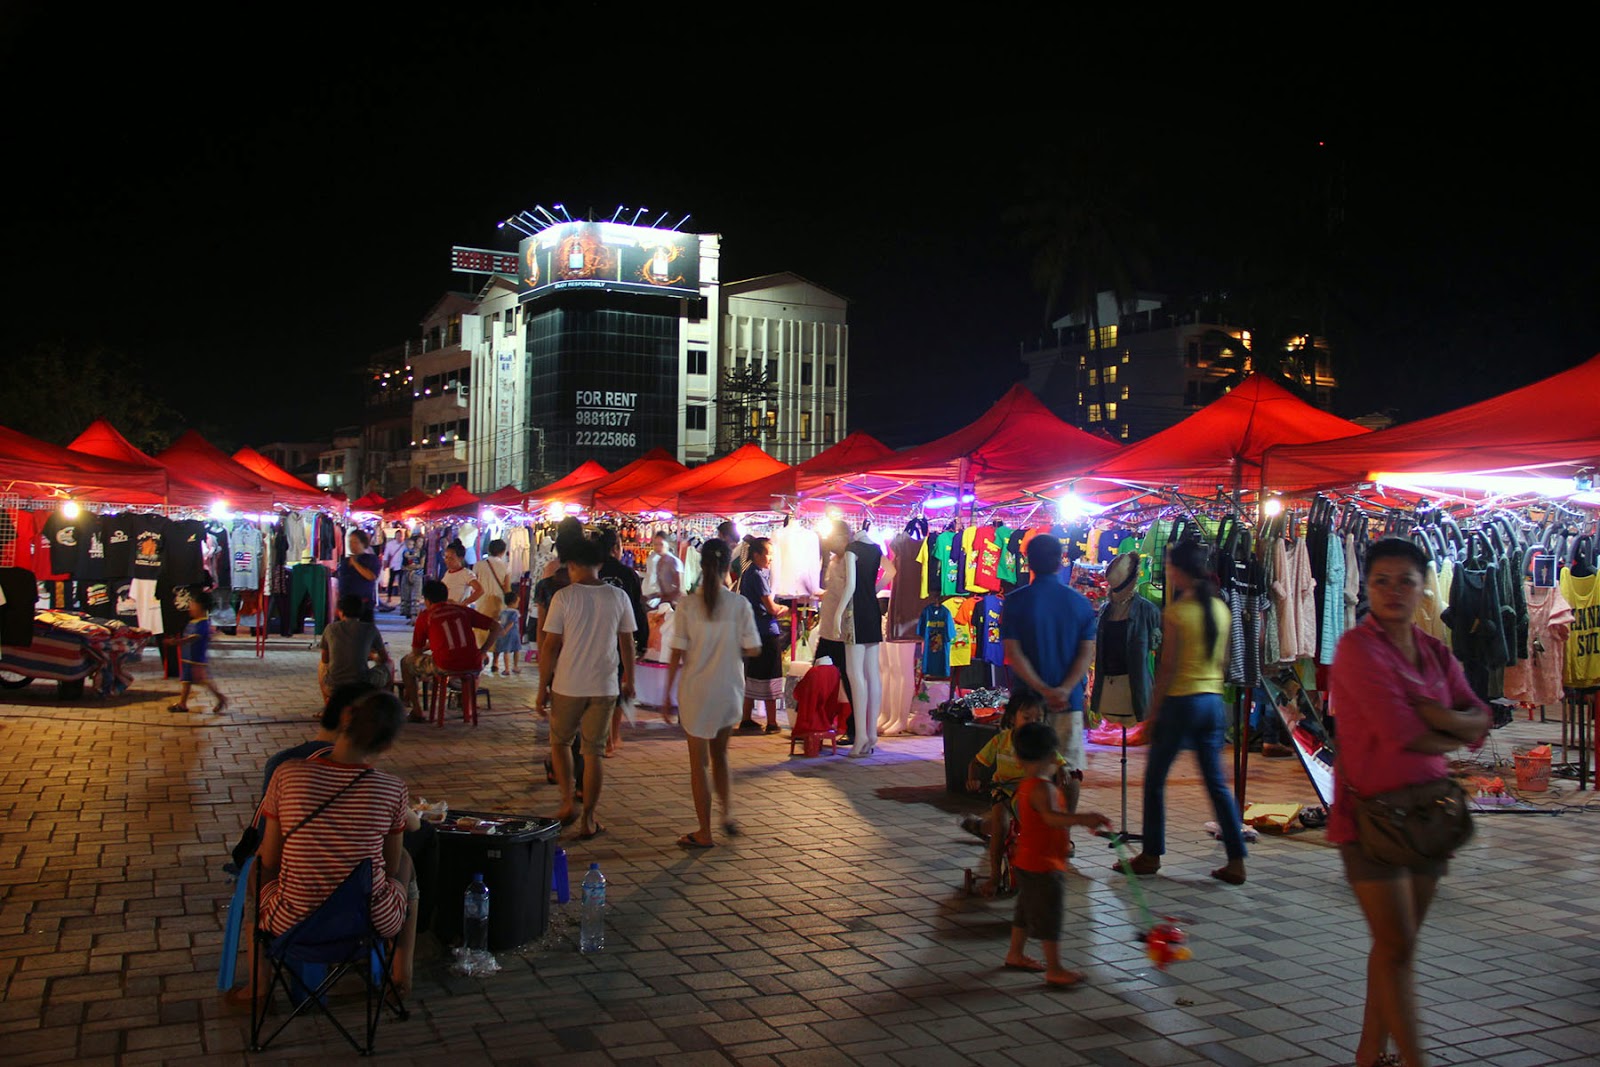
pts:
pixel 1401 702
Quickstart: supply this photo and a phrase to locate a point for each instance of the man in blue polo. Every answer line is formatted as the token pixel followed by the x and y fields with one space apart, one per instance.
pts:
pixel 1048 630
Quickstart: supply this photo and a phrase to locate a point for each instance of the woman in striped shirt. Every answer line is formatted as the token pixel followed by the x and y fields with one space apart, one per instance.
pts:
pixel 306 852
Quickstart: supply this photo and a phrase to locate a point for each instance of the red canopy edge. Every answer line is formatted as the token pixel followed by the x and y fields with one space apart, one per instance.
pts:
pixel 654 466
pixel 196 458
pixel 1550 428
pixel 285 486
pixel 1223 442
pixel 744 464
pixel 406 501
pixel 455 498
pixel 588 471
pixel 855 451
pixel 83 475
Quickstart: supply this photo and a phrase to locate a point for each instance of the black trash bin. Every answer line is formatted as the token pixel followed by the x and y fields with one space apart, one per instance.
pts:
pixel 515 862
pixel 962 741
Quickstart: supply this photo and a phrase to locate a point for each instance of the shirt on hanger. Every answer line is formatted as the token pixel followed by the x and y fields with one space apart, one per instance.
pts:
pixel 934 628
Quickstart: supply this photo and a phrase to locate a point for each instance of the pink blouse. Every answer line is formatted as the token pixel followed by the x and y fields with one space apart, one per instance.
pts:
pixel 1373 689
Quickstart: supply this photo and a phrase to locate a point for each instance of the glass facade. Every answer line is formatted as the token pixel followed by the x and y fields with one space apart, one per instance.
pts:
pixel 603 379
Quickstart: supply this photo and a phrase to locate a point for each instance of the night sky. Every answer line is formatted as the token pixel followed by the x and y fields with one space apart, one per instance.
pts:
pixel 249 216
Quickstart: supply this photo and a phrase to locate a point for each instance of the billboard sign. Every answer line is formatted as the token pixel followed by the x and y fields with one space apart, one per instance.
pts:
pixel 611 256
pixel 481 261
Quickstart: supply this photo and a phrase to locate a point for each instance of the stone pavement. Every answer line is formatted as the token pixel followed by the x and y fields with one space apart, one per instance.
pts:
pixel 832 931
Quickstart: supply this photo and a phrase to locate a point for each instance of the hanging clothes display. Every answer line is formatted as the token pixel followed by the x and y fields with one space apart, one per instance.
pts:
pixel 1537 680
pixel 907 596
pixel 1581 668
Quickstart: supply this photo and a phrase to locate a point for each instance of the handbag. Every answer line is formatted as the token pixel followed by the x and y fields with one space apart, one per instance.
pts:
pixel 1415 825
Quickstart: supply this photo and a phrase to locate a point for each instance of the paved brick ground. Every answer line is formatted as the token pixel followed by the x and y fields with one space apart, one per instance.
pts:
pixel 833 931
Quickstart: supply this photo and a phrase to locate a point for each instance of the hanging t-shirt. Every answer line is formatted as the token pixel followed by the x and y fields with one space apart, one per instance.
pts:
pixel 1006 569
pixel 62 533
pixel 988 569
pixel 97 599
pixel 91 548
pixel 934 628
pixel 146 535
pixel 244 545
pixel 923 561
pixel 119 546
pixel 969 561
pixel 943 545
pixel 184 558
pixel 960 609
pixel 986 620
pixel 1582 669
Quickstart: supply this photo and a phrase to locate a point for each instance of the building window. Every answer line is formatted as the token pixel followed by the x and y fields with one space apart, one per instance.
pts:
pixel 697 361
pixel 1104 337
pixel 1111 375
pixel 806 373
pixel 1125 356
pixel 1124 392
pixel 772 421
pixel 830 375
pixel 805 426
pixel 1094 412
pixel 772 370
pixel 1124 431
pixel 755 418
pixel 1094 376
pixel 511 322
pixel 827 427
pixel 694 417
pixel 1111 411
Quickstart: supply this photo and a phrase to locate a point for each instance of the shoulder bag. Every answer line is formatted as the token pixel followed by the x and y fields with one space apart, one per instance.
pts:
pixel 1414 825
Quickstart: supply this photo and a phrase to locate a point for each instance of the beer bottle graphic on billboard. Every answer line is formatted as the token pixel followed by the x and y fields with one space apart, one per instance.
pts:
pixel 575 252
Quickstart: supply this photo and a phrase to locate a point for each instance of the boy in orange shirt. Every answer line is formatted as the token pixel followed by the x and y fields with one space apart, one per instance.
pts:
pixel 1041 857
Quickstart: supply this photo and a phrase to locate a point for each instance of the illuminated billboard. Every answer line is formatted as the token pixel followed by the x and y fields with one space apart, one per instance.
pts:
pixel 611 256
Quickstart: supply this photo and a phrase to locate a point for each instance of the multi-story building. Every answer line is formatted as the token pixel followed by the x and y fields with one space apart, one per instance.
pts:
pixel 1143 367
pixel 386 424
pixel 441 377
pixel 339 468
pixel 297 457
pixel 504 450
pixel 794 333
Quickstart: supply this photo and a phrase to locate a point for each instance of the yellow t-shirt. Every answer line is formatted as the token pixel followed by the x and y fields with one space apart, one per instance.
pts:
pixel 922 566
pixel 960 633
pixel 1581 666
pixel 1001 754
pixel 1199 668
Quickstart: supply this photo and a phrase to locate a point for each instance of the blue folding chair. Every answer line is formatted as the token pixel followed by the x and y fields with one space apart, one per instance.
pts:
pixel 338 936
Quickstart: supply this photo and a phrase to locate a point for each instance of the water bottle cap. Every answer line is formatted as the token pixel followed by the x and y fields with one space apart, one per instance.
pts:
pixel 477 877
pixel 594 866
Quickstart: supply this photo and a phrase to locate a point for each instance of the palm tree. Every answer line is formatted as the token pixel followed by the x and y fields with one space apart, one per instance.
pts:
pixel 1085 239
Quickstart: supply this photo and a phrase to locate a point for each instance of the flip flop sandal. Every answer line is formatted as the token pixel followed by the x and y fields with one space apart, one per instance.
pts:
pixel 731 828
pixel 590 835
pixel 688 841
pixel 1067 981
pixel 180 709
pixel 1032 965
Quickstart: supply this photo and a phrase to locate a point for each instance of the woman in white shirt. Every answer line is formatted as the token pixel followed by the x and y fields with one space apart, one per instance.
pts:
pixel 714 631
pixel 494 578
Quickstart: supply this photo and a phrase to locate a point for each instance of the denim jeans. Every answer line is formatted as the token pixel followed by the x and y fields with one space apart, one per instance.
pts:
pixel 1189 722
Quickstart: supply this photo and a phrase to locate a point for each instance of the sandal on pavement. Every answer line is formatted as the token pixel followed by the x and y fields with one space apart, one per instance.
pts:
pixel 1027 964
pixel 730 828
pixel 690 841
pixel 180 709
pixel 590 835
pixel 1064 981
pixel 1143 866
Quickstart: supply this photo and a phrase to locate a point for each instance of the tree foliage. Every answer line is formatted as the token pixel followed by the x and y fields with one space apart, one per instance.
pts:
pixel 54 392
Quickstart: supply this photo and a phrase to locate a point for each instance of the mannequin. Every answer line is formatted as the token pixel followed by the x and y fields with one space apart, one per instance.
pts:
pixel 835 617
pixel 859 574
pixel 1129 630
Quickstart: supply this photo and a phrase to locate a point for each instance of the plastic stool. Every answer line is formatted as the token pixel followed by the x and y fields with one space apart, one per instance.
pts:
pixel 813 740
pixel 469 695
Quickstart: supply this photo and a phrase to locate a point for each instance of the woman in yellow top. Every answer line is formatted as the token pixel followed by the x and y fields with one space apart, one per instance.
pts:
pixel 1187 709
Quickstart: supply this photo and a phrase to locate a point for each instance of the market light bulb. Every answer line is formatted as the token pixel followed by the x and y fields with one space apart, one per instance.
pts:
pixel 70 509
pixel 1272 507
pixel 219 510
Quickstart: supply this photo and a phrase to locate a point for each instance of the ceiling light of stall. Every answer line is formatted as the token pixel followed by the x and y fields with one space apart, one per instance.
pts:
pixel 1502 484
pixel 69 509
pixel 1273 506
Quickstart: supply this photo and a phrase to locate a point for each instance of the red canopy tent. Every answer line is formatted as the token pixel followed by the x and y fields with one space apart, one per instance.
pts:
pixel 187 485
pixel 455 498
pixel 589 471
pixel 285 487
pixel 233 484
pixel 855 452
pixel 406 501
pixel 653 467
pixel 1222 443
pixel 1018 442
pixel 1549 429
pixel 370 502
pixel 47 468
pixel 743 465
pixel 507 496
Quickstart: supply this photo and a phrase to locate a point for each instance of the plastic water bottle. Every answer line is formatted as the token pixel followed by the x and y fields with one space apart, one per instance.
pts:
pixel 475 916
pixel 592 934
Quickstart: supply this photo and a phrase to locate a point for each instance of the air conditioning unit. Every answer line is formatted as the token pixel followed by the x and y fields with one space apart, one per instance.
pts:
pixel 461 396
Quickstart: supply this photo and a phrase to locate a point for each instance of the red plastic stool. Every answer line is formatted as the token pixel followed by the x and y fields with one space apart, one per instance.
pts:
pixel 813 740
pixel 469 696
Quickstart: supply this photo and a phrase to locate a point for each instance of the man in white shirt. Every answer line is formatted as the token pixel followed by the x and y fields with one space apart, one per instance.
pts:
pixel 587 642
pixel 663 572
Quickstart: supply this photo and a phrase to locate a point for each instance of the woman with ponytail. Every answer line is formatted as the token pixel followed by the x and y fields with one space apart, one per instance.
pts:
pixel 1186 709
pixel 714 632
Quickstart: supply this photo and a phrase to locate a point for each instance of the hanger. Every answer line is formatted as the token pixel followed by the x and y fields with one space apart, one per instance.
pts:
pixel 1582 561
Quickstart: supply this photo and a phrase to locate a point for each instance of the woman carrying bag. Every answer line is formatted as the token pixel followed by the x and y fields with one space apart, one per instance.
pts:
pixel 1401 701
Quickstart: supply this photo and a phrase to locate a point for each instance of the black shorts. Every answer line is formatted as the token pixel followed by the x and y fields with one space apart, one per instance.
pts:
pixel 1358 868
pixel 1041 903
